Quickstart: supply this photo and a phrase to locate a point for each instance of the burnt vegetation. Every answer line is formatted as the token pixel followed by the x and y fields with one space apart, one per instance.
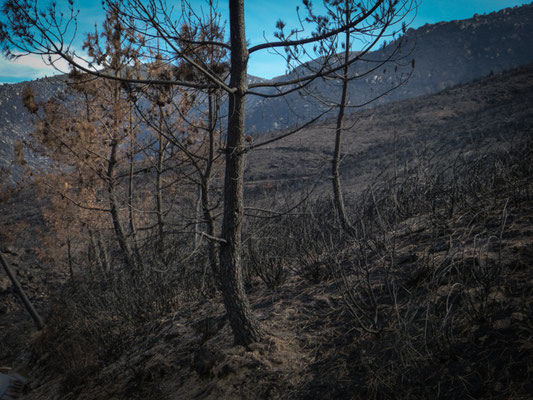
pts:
pixel 151 278
pixel 431 294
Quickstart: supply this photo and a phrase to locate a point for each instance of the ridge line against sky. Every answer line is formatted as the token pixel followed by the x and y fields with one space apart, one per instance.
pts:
pixel 261 17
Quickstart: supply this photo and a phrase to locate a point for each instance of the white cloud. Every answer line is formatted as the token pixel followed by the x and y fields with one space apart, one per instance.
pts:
pixel 32 66
pixel 29 67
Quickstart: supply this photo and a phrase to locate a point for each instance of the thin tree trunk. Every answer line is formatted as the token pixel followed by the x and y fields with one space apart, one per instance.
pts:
pixel 113 201
pixel 115 215
pixel 22 294
pixel 69 257
pixel 336 160
pixel 159 183
pixel 104 257
pixel 197 222
pixel 96 252
pixel 245 327
pixel 133 228
pixel 206 186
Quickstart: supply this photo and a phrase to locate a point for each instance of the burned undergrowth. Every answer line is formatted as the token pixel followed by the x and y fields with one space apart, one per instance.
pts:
pixel 437 281
pixel 432 296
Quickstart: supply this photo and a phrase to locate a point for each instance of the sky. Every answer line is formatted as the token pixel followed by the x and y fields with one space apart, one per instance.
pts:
pixel 261 18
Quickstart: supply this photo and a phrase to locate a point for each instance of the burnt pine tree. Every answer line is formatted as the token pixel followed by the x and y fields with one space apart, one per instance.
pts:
pixel 34 29
pixel 339 14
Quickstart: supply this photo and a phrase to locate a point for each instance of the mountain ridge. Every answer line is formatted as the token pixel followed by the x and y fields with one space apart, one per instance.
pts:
pixel 446 54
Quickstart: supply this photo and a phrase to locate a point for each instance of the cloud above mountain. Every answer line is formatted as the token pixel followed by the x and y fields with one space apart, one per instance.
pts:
pixel 29 67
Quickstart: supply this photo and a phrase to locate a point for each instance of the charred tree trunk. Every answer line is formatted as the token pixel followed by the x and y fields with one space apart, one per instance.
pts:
pixel 97 253
pixel 245 327
pixel 131 191
pixel 206 187
pixel 159 183
pixel 336 160
pixel 22 294
pixel 70 261
pixel 114 207
pixel 104 256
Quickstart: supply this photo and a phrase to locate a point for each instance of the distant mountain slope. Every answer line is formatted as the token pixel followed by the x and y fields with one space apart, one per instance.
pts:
pixel 463 119
pixel 15 120
pixel 446 54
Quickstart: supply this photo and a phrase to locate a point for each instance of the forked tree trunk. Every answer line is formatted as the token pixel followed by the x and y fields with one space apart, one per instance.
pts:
pixel 22 294
pixel 245 327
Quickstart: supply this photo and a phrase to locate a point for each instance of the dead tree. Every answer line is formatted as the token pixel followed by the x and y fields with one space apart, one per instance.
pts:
pixel 32 29
pixel 22 294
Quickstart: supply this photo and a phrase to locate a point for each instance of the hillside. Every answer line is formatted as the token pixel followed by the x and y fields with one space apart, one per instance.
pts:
pixel 446 54
pixel 431 299
pixel 459 120
pixel 16 120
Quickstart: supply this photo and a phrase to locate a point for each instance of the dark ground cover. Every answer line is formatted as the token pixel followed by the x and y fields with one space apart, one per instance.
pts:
pixel 432 297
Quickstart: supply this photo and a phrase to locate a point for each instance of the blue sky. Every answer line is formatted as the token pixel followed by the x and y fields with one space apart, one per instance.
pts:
pixel 261 17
